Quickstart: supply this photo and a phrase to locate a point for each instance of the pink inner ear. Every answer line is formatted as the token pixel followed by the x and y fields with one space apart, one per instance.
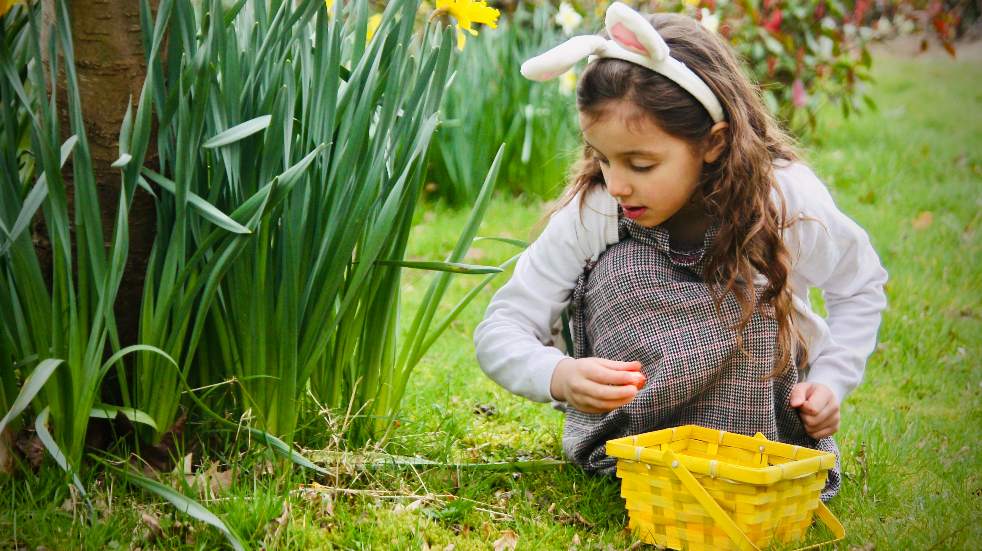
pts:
pixel 627 38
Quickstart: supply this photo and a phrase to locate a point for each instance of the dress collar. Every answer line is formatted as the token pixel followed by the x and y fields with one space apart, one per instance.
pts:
pixel 660 238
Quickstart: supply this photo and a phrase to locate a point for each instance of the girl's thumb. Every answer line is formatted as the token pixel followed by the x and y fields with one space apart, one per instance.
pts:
pixel 797 395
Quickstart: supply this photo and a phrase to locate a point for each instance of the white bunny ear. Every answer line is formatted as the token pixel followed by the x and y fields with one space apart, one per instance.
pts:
pixel 630 30
pixel 560 59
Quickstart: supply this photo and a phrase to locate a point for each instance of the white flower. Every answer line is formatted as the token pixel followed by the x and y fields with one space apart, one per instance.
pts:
pixel 568 18
pixel 883 27
pixel 709 20
pixel 905 26
pixel 826 47
pixel 567 83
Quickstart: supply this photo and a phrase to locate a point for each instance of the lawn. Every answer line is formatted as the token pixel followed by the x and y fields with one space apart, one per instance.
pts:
pixel 910 173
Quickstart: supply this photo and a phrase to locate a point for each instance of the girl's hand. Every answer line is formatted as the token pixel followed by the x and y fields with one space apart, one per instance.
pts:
pixel 817 407
pixel 596 385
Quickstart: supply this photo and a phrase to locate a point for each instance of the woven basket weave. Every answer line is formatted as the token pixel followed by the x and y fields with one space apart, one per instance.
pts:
pixel 692 487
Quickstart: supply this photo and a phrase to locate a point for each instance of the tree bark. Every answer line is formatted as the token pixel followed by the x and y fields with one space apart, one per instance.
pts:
pixel 111 68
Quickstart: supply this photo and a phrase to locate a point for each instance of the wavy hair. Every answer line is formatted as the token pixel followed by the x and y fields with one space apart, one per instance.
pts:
pixel 735 190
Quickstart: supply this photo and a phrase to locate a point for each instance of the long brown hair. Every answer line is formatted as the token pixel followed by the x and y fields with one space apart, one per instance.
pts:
pixel 735 190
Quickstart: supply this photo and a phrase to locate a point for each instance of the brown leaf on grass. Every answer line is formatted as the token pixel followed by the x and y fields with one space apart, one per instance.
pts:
pixel 210 483
pixel 507 540
pixel 153 525
pixel 923 220
pixel 414 505
pixel 285 515
pixel 159 456
pixel 580 519
pixel 186 464
pixel 6 451
pixel 31 447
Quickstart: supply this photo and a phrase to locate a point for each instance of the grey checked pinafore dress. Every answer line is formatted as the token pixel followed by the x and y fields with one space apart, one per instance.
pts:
pixel 642 301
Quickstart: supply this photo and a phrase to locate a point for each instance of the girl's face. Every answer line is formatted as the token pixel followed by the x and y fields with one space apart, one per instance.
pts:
pixel 650 173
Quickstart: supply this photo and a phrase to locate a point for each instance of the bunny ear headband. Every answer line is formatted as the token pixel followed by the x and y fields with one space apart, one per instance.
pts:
pixel 634 40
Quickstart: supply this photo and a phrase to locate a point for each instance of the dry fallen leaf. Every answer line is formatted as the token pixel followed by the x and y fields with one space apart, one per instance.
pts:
pixel 185 464
pixel 153 524
pixel 923 220
pixel 212 482
pixel 508 540
pixel 285 516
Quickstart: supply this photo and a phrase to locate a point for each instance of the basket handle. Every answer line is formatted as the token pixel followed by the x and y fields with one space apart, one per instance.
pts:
pixel 727 524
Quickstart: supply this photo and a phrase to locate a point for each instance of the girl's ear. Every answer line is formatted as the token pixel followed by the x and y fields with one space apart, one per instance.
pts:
pixel 719 137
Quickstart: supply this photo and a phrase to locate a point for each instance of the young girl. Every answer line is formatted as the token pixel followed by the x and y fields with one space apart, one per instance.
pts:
pixel 684 250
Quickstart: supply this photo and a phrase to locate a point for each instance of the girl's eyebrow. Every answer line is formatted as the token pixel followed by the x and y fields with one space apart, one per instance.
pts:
pixel 625 153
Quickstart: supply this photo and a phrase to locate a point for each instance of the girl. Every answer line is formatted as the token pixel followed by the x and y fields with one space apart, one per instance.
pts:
pixel 684 249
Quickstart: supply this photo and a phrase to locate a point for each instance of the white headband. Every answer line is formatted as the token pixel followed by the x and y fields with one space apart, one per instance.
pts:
pixel 634 40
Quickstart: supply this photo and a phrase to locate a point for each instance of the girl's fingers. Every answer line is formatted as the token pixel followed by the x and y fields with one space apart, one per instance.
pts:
pixel 608 393
pixel 620 366
pixel 593 405
pixel 832 423
pixel 820 417
pixel 822 433
pixel 606 376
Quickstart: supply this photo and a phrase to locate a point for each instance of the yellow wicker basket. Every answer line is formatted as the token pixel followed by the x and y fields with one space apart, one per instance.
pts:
pixel 694 488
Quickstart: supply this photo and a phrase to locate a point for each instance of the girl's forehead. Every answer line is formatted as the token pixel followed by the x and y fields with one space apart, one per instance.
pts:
pixel 621 120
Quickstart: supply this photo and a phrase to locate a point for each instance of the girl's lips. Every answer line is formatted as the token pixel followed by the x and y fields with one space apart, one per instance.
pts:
pixel 633 212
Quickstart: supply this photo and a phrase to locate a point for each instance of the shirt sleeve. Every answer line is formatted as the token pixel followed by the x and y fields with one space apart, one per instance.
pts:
pixel 835 255
pixel 513 341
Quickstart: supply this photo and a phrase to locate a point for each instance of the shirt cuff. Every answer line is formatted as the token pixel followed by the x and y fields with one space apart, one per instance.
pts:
pixel 830 376
pixel 542 366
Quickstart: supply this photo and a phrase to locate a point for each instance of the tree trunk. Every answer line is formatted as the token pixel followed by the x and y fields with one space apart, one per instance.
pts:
pixel 111 68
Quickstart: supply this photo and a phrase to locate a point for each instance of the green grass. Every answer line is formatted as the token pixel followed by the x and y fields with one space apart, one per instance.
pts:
pixel 910 434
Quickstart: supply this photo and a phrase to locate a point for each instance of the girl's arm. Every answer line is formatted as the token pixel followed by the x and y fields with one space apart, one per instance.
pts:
pixel 834 253
pixel 514 340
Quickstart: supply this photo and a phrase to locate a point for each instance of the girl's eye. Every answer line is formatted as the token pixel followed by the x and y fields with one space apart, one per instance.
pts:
pixel 642 168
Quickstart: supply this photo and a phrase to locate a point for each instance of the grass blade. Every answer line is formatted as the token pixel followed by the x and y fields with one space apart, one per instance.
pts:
pixel 454 267
pixel 185 505
pixel 36 196
pixel 41 426
pixel 238 132
pixel 207 210
pixel 32 385
pixel 516 242
pixel 106 411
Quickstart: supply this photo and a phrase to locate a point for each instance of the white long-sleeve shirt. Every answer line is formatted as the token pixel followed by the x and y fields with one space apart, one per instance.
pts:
pixel 515 340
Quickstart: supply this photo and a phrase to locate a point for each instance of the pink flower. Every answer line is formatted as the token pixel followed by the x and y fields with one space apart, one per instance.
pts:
pixel 798 95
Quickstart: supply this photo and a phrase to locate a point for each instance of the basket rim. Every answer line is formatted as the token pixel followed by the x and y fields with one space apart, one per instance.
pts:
pixel 798 461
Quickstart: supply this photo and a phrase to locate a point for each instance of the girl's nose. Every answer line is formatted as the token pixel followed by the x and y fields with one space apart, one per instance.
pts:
pixel 617 185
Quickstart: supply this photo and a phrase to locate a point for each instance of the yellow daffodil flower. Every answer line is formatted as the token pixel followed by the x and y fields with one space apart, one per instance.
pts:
pixel 466 13
pixel 567 83
pixel 5 5
pixel 373 22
